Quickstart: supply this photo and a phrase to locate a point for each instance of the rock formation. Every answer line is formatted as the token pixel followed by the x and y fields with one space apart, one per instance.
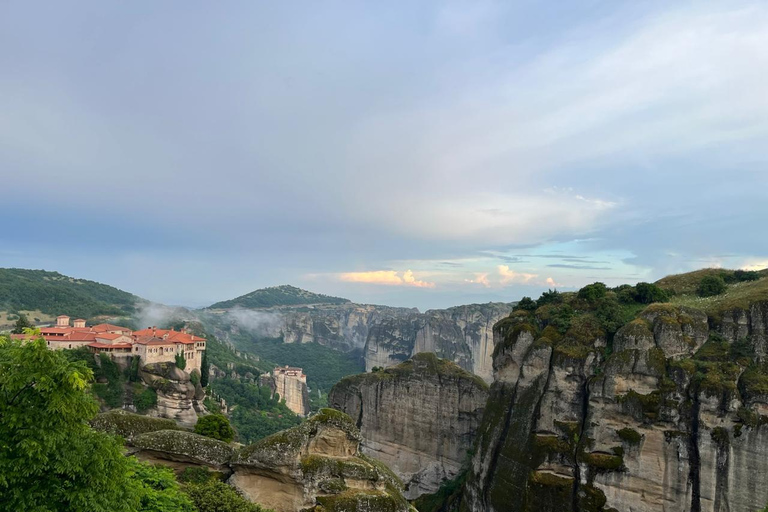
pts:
pixel 316 466
pixel 290 384
pixel 671 417
pixel 388 336
pixel 177 398
pixel 419 417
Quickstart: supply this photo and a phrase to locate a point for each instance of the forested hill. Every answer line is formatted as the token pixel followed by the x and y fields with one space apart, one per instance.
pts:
pixel 284 295
pixel 48 294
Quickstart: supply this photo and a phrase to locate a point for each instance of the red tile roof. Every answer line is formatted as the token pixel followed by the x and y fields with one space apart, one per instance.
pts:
pixel 108 336
pixel 109 327
pixel 169 334
pixel 152 340
pixel 110 345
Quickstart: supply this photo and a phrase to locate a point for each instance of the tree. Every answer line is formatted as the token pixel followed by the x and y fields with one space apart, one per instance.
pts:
pixel 710 286
pixel 49 456
pixel 216 496
pixel 215 426
pixel 549 297
pixel 593 292
pixel 647 293
pixel 156 490
pixel 526 304
pixel 21 324
pixel 205 370
pixel 181 363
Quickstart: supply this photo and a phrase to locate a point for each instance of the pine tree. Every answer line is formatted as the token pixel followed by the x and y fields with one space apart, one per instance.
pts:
pixel 21 324
pixel 205 369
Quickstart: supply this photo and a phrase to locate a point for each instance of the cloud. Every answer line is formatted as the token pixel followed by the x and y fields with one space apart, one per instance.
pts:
pixel 756 265
pixel 260 323
pixel 386 277
pixel 510 276
pixel 481 278
pixel 551 282
pixel 577 267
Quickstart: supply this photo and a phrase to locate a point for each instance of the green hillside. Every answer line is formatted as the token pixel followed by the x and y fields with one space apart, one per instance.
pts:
pixel 284 295
pixel 48 294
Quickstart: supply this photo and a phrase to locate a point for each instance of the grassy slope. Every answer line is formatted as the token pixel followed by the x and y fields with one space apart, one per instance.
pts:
pixel 737 295
pixel 44 295
pixel 284 295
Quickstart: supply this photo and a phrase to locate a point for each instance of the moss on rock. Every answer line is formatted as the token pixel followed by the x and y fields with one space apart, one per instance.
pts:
pixel 128 425
pixel 185 445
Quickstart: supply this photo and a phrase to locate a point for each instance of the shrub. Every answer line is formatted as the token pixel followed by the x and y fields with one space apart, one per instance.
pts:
pixel 145 400
pixel 593 292
pixel 746 275
pixel 647 293
pixel 216 496
pixel 550 297
pixel 710 286
pixel 215 426
pixel 526 304
pixel 181 363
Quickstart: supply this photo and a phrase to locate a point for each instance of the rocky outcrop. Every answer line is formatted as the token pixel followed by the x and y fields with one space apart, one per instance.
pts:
pixel 177 398
pixel 316 466
pixel 181 449
pixel 463 334
pixel 128 425
pixel 419 418
pixel 671 417
pixel 291 386
pixel 386 336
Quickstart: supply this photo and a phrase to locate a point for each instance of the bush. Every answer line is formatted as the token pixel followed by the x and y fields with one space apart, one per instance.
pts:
pixel 216 496
pixel 710 286
pixel 593 292
pixel 145 400
pixel 181 363
pixel 746 275
pixel 215 426
pixel 550 297
pixel 526 304
pixel 647 293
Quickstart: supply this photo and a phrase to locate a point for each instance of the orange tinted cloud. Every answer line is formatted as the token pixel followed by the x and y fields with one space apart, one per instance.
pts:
pixel 386 277
pixel 510 276
pixel 481 278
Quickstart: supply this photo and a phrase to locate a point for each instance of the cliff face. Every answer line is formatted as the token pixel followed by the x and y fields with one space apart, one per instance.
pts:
pixel 292 389
pixel 387 336
pixel 316 466
pixel 177 398
pixel 672 415
pixel 419 417
pixel 463 334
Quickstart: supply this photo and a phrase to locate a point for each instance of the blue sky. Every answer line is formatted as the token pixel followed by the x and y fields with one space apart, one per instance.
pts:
pixel 409 153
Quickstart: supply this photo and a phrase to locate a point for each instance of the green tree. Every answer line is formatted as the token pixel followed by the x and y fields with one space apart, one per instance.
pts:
pixel 526 304
pixel 593 292
pixel 710 286
pixel 205 369
pixel 550 297
pixel 181 363
pixel 21 324
pixel 215 426
pixel 156 490
pixel 216 496
pixel 647 293
pixel 50 459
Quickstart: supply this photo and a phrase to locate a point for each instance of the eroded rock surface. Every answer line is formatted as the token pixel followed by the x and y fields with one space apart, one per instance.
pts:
pixel 177 398
pixel 672 418
pixel 419 417
pixel 316 466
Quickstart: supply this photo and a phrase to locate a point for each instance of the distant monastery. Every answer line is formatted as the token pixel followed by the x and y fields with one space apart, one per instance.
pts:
pixel 151 344
pixel 290 383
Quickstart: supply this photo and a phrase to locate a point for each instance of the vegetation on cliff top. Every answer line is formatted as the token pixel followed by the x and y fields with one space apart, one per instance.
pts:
pixel 284 295
pixel 55 294
pixel 424 363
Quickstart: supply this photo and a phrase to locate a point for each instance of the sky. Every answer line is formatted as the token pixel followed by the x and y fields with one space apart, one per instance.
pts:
pixel 421 154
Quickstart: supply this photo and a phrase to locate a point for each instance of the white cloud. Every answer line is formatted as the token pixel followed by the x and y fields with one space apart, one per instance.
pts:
pixel 385 277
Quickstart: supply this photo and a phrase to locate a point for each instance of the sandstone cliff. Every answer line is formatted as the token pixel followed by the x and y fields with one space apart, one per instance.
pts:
pixel 316 466
pixel 177 398
pixel 669 414
pixel 419 417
